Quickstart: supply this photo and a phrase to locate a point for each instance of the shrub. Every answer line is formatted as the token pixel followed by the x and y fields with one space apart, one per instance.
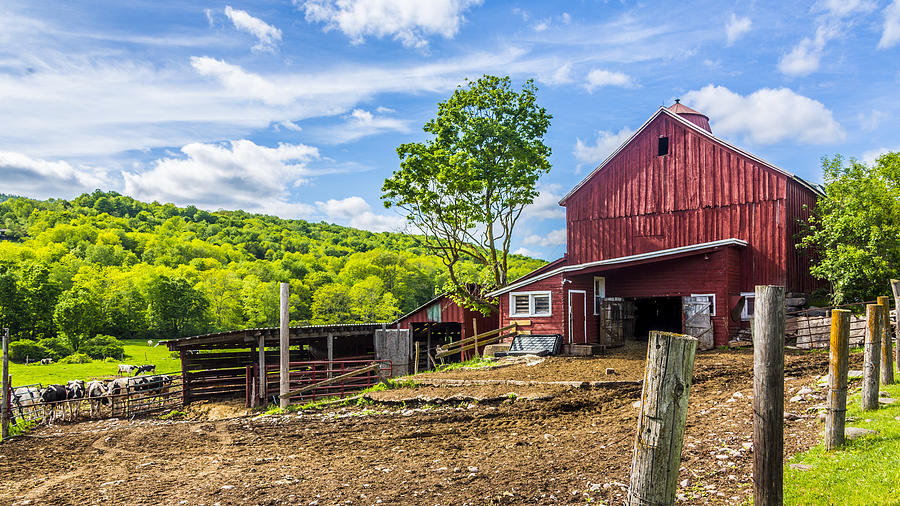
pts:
pixel 101 346
pixel 76 358
pixel 58 347
pixel 24 349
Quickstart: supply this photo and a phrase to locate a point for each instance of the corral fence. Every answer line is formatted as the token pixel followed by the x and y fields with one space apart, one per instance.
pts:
pixel 140 398
pixel 318 378
pixel 812 327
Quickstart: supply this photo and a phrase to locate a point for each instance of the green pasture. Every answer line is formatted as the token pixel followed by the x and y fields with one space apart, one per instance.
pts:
pixel 136 352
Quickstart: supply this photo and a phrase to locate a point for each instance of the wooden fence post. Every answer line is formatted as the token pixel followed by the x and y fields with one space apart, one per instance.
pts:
pixel 4 412
pixel 887 351
pixel 416 364
pixel 263 373
pixel 838 358
pixel 475 333
pixel 664 403
pixel 768 395
pixel 284 346
pixel 871 359
pixel 895 287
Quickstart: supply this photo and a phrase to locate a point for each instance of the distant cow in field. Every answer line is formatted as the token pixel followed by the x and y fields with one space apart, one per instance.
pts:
pixel 144 368
pixel 50 398
pixel 96 394
pixel 126 369
pixel 46 361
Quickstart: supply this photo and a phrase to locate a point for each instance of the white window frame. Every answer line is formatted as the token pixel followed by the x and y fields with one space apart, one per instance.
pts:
pixel 711 297
pixel 531 296
pixel 598 295
pixel 745 315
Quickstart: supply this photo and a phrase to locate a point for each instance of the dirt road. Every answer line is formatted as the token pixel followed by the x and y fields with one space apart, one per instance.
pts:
pixel 565 447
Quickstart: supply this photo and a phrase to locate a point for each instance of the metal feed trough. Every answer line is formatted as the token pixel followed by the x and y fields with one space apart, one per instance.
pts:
pixel 533 344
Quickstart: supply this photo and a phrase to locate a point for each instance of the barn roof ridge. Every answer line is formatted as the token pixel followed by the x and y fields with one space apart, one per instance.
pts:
pixel 663 110
pixel 621 260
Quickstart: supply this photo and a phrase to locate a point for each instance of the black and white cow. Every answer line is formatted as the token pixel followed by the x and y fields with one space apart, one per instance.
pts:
pixel 117 391
pixel 96 394
pixel 126 369
pixel 46 361
pixel 51 398
pixel 26 399
pixel 75 391
pixel 145 368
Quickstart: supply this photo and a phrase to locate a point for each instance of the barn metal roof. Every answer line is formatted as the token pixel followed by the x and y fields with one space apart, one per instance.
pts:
pixel 619 261
pixel 674 115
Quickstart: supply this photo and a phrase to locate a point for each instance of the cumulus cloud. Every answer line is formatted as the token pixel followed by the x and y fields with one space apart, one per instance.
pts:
pixel 526 252
pixel 37 178
pixel 871 156
pixel 767 115
pixel 235 78
pixel 546 204
pixel 361 123
pixel 358 214
pixel 890 37
pixel 806 56
pixel 235 175
pixel 409 21
pixel 606 143
pixel 737 28
pixel 562 75
pixel 599 77
pixel 553 238
pixel 267 35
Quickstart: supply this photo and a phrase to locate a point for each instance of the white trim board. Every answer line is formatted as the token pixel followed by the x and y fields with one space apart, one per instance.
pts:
pixel 619 260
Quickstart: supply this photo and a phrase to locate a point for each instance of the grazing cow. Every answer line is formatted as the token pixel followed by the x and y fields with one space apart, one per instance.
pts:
pixel 117 392
pixel 150 342
pixel 96 394
pixel 46 361
pixel 74 393
pixel 145 368
pixel 50 398
pixel 126 369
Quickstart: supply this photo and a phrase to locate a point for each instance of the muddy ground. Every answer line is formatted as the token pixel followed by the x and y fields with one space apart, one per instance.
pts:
pixel 545 443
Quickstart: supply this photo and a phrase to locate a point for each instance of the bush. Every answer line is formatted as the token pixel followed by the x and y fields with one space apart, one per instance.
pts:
pixel 58 347
pixel 101 346
pixel 26 349
pixel 76 358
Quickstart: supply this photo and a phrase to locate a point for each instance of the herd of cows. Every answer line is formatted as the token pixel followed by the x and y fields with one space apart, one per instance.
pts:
pixel 59 401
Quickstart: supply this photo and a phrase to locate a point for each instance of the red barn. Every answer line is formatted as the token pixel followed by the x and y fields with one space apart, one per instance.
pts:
pixel 673 213
pixel 442 321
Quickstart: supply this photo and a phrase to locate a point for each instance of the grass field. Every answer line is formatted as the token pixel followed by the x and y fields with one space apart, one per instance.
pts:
pixel 136 352
pixel 863 471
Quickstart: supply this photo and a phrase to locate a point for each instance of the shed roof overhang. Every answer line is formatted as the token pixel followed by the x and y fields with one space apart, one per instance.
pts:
pixel 626 261
pixel 248 337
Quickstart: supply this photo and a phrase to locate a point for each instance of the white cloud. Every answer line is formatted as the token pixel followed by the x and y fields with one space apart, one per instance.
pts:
pixel 767 115
pixel 267 35
pixel 598 77
pixel 562 75
pixel 358 213
pixel 288 125
pixel 566 18
pixel 606 143
pixel 869 157
pixel 737 28
pixel 361 123
pixel 552 238
pixel 235 78
pixel 237 175
pixel 409 21
pixel 804 59
pixel 36 178
pixel 890 37
pixel 546 204
pixel 542 25
pixel 869 122
pixel 526 252
pixel 806 56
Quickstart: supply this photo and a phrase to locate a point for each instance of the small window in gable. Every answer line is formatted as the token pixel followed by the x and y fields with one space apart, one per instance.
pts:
pixel 662 147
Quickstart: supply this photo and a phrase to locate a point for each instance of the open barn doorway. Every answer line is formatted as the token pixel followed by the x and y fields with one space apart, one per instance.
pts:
pixel 430 335
pixel 656 313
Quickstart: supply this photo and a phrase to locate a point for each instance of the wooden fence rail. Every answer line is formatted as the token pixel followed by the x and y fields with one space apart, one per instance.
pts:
pixel 478 340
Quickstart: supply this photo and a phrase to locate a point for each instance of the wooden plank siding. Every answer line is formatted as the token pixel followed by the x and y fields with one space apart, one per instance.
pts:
pixel 451 312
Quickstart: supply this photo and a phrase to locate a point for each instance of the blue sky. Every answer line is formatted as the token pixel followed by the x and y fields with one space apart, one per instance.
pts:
pixel 296 108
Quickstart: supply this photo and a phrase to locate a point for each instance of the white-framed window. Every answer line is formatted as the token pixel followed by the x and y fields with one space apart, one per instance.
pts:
pixel 709 297
pixel 749 305
pixel 529 304
pixel 599 292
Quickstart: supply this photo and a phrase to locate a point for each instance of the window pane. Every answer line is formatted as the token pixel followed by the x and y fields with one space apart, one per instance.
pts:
pixel 520 304
pixel 541 304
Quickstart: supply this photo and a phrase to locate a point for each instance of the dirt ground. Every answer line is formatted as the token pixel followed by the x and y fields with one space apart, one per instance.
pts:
pixel 547 443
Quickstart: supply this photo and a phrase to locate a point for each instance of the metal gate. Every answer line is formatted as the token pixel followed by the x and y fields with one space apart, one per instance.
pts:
pixel 697 321
pixel 611 320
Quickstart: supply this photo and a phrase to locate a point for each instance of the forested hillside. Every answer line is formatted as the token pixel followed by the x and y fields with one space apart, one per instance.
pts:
pixel 106 263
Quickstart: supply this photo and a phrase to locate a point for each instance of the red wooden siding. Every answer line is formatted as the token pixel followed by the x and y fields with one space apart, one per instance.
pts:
pixel 701 191
pixel 452 312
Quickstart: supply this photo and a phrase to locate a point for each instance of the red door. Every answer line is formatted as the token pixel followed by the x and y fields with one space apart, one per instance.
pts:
pixel 577 323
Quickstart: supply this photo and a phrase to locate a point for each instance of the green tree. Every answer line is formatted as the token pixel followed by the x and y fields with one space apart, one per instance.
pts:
pixel 467 185
pixel 332 304
pixel 78 316
pixel 854 231
pixel 175 308
pixel 38 295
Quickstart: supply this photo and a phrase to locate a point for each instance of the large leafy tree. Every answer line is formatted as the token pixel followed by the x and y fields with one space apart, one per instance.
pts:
pixel 466 186
pixel 78 316
pixel 176 308
pixel 854 231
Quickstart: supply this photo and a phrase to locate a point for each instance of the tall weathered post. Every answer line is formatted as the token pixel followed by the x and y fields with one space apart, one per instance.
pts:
pixel 768 395
pixel 664 402
pixel 284 346
pixel 895 287
pixel 887 352
pixel 838 359
pixel 871 358
pixel 4 411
